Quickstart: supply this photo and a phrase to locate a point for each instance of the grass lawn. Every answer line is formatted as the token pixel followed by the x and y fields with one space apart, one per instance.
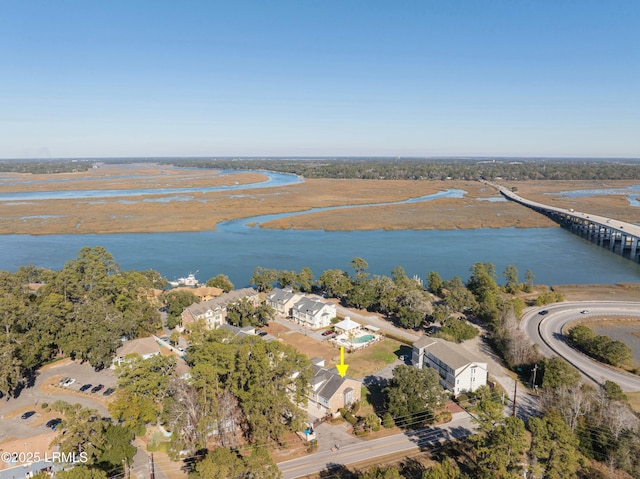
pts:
pixel 634 400
pixel 375 357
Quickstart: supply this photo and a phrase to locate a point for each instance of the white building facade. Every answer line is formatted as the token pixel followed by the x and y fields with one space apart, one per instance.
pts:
pixel 459 371
pixel 313 314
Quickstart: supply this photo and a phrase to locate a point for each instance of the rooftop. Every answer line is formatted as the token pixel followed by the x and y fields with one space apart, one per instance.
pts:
pixel 450 353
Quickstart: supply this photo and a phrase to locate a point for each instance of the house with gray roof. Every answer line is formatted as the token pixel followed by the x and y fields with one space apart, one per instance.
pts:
pixel 214 311
pixel 329 392
pixel 313 314
pixel 459 370
pixel 282 301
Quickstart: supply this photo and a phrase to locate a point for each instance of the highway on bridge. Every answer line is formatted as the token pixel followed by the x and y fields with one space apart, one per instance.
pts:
pixel 621 226
pixel 546 330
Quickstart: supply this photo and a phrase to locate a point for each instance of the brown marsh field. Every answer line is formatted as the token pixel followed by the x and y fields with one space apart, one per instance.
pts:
pixel 206 209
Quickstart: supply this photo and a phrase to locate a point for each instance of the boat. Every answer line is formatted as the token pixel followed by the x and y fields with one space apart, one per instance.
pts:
pixel 190 280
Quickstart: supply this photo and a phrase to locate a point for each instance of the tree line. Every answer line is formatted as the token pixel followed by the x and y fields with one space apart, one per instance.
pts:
pixel 381 168
pixel 436 169
pixel 602 348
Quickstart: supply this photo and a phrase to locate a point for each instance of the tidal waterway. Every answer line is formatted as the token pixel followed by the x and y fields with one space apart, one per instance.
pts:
pixel 235 248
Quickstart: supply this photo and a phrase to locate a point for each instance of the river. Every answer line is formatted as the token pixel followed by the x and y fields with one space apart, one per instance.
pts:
pixel 554 255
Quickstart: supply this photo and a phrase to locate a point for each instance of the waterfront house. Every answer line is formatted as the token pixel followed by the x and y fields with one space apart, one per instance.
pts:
pixel 459 370
pixel 282 301
pixel 213 312
pixel 313 314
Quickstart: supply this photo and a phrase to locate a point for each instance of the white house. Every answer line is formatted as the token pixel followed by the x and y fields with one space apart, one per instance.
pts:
pixel 313 314
pixel 459 371
pixel 282 301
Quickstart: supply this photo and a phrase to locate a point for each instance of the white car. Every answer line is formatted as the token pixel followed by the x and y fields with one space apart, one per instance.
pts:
pixel 69 382
pixel 584 311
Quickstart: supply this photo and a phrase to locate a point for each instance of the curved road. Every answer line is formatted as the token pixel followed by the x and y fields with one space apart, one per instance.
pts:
pixel 546 332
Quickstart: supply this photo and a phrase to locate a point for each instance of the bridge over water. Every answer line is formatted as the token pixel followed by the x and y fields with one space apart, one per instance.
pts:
pixel 618 236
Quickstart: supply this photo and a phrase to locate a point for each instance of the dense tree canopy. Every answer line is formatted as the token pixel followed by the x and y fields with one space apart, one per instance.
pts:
pixel 433 168
pixel 221 281
pixel 105 446
pixel 81 311
pixel 413 394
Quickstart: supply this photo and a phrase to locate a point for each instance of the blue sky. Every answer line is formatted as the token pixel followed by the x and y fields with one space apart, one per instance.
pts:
pixel 319 78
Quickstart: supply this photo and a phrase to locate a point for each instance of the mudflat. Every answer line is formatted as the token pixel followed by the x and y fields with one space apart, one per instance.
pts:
pixel 204 210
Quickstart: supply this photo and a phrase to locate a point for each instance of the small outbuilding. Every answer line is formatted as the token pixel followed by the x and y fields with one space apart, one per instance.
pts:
pixel 347 326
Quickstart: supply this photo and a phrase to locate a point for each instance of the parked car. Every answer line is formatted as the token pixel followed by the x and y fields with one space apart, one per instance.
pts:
pixel 53 423
pixel 585 311
pixel 108 391
pixel 97 388
pixel 62 381
pixel 85 387
pixel 259 332
pixel 328 332
pixel 28 414
pixel 543 312
pixel 69 382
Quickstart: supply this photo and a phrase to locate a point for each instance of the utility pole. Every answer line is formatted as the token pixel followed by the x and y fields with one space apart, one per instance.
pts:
pixel 535 368
pixel 515 393
pixel 152 474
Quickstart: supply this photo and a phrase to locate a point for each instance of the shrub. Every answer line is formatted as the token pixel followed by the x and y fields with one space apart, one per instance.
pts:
pixel 350 418
pixel 387 420
pixel 457 330
pixel 549 297
pixel 444 416
pixel 44 405
pixel 372 422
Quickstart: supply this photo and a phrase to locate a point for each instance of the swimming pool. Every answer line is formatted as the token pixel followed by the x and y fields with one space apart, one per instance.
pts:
pixel 363 339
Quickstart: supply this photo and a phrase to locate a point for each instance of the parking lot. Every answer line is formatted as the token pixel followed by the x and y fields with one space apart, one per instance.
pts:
pixel 47 390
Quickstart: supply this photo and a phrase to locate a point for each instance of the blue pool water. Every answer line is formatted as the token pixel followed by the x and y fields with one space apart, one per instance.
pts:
pixel 363 339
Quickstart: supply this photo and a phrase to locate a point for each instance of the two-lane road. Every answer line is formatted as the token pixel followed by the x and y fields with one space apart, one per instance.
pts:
pixel 460 426
pixel 547 332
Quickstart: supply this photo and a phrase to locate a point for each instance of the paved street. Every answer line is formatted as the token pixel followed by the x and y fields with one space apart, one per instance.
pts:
pixel 459 427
